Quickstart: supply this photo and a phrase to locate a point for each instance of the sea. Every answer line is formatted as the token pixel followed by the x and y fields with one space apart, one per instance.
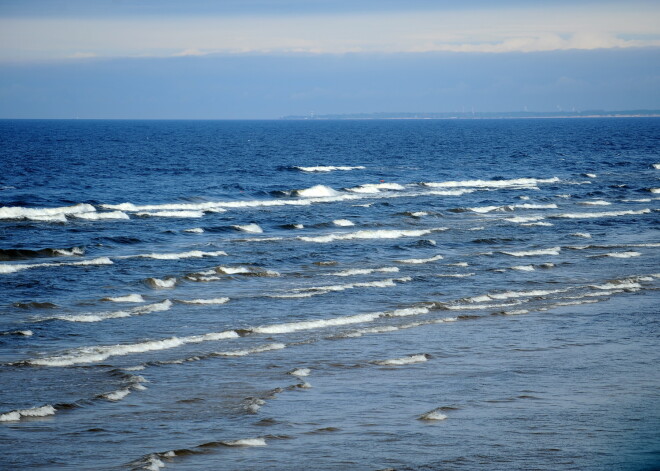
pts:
pixel 407 295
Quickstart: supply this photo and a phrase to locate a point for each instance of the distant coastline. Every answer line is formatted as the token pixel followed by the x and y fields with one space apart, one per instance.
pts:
pixel 482 115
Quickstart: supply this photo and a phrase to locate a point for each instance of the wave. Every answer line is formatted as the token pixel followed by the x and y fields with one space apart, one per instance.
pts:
pixel 376 234
pixel 375 187
pixel 252 228
pixel 517 183
pixel 194 230
pixel 435 414
pixel 26 254
pixel 246 442
pixel 337 321
pixel 409 360
pixel 584 235
pixel 595 203
pixel 532 253
pixel 524 219
pixel 363 271
pixel 316 192
pixel 318 290
pixel 628 254
pixel 420 260
pixel 328 168
pixel 129 298
pixel 100 216
pixel 5 268
pixel 103 352
pixel 204 301
pixel 171 214
pixel 162 283
pixel 449 192
pixel 178 256
pixel 300 372
pixel 343 222
pixel 260 349
pixel 23 333
pixel 19 414
pixel 604 214
pixel 17 212
pixel 137 311
pixel 523 268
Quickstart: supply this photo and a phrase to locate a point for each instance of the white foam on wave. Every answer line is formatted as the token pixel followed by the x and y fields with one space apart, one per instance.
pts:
pixel 319 290
pixel 171 214
pixel 535 206
pixel 252 228
pixel 449 192
pixel 656 166
pixel 102 352
pixel 116 395
pixel 409 360
pixel 250 351
pixel 338 321
pixel 376 234
pixel 162 283
pixel 628 254
pixel 605 214
pixel 94 216
pixel 584 235
pixel 363 271
pixel 418 214
pixel 375 187
pixel 523 268
pixel 416 261
pixel 247 442
pixel 654 190
pixel 18 212
pixel 435 414
pixel 474 307
pixel 514 183
pixel 533 253
pixel 51 218
pixel 136 311
pixel 343 222
pixel 595 203
pixel 300 372
pixel 69 252
pixel 204 301
pixel 317 191
pixel 178 256
pixel 621 284
pixel 194 230
pixel 524 219
pixel 328 168
pixel 523 294
pixel 6 268
pixel 486 209
pixel 129 298
pixel 455 275
pixel 531 224
pixel 19 414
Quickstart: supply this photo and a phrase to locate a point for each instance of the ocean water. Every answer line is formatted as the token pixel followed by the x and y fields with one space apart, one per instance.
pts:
pixel 330 295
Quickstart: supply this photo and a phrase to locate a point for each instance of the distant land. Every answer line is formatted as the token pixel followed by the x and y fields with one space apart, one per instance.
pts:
pixel 485 115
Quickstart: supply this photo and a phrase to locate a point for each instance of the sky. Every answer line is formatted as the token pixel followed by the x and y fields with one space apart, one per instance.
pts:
pixel 263 59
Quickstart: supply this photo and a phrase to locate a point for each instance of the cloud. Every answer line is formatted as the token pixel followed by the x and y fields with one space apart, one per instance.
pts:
pixel 529 28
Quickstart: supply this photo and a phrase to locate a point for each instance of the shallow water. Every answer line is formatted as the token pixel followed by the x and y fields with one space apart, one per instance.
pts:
pixel 449 294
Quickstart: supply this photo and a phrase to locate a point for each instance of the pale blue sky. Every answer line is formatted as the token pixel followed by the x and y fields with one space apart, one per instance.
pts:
pixel 264 59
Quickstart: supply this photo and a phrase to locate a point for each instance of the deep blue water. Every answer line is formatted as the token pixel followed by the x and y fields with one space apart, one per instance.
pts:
pixel 450 295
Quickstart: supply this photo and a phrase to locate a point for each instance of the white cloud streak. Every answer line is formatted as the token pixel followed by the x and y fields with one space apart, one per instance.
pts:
pixel 495 30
